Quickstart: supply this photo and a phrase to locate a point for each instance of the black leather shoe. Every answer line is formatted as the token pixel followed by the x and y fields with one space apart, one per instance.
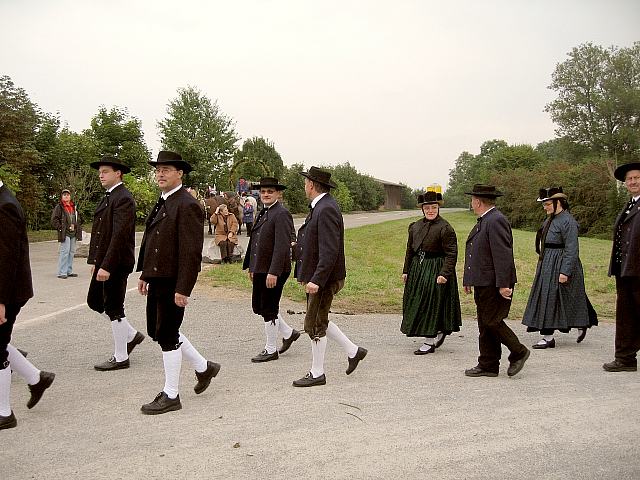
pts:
pixel 479 372
pixel 111 364
pixel 62 276
pixel 516 366
pixel 286 342
pixel 618 366
pixel 583 333
pixel 46 379
pixel 8 421
pixel 72 275
pixel 309 381
pixel 439 343
pixel 353 362
pixel 547 344
pixel 161 404
pixel 135 341
pixel 431 349
pixel 263 356
pixel 204 378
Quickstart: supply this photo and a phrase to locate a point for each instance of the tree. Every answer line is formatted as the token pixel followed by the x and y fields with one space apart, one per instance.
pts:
pixel 294 195
pixel 366 192
pixel 196 129
pixel 256 155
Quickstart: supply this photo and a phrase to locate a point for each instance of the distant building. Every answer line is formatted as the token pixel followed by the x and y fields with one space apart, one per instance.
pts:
pixel 392 195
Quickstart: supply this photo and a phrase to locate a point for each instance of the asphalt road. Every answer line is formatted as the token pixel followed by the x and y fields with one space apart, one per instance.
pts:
pixel 397 416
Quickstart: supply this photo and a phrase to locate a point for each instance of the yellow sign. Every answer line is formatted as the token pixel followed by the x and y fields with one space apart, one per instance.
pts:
pixel 434 187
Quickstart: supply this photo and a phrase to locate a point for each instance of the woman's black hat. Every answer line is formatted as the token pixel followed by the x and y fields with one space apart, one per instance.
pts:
pixel 429 198
pixel 550 193
pixel 165 157
pixel 320 176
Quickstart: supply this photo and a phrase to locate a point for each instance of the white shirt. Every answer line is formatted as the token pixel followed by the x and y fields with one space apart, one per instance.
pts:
pixel 1 183
pixel 112 188
pixel 317 199
pixel 487 212
pixel 171 192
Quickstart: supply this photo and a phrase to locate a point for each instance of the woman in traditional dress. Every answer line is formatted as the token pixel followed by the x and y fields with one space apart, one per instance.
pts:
pixel 431 304
pixel 558 300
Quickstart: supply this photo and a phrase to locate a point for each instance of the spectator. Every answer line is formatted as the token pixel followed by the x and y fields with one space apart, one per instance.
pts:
pixel 67 222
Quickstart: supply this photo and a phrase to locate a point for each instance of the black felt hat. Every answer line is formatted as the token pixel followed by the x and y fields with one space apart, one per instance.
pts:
pixel 480 190
pixel 116 163
pixel 622 170
pixel 550 193
pixel 429 198
pixel 320 176
pixel 270 182
pixel 165 157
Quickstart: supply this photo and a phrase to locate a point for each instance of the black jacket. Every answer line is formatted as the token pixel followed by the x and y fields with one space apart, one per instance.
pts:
pixel 269 249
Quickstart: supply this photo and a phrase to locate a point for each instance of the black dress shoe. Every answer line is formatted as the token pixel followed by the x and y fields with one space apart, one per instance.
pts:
pixel 618 366
pixel 111 364
pixel 439 343
pixel 161 404
pixel 8 421
pixel 136 340
pixel 353 362
pixel 204 378
pixel 547 344
pixel 72 274
pixel 286 342
pixel 309 381
pixel 516 366
pixel 263 356
pixel 479 372
pixel 46 379
pixel 431 349
pixel 583 333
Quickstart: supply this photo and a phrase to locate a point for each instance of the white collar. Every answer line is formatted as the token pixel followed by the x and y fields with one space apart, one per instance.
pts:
pixel 1 183
pixel 113 188
pixel 267 208
pixel 315 201
pixel 171 192
pixel 487 212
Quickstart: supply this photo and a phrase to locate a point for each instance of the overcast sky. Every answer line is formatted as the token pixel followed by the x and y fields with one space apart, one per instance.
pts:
pixel 397 88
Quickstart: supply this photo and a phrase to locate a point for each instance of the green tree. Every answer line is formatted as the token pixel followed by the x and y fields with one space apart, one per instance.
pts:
pixel 294 195
pixel 343 196
pixel 366 192
pixel 256 154
pixel 195 128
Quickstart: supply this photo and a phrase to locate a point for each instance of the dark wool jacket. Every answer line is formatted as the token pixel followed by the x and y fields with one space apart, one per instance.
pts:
pixel 629 243
pixel 435 237
pixel 60 221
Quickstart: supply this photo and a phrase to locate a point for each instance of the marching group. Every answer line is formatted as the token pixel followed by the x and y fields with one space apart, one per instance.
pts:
pixel 170 259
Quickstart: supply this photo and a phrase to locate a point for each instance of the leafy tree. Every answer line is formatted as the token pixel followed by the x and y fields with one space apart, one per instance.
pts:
pixel 294 195
pixel 256 154
pixel 366 192
pixel 195 128
pixel 407 198
pixel 342 196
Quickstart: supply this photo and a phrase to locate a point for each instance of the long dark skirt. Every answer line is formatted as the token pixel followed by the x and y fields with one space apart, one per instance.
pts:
pixel 427 307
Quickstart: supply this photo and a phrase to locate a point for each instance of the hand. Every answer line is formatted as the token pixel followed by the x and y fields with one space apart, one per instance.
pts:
pixel 271 280
pixel 250 276
pixel 143 287
pixel 506 292
pixel 217 210
pixel 467 289
pixel 102 275
pixel 3 319
pixel 311 288
pixel 441 280
pixel 563 278
pixel 72 227
pixel 181 300
pixel 404 278
pixel 230 235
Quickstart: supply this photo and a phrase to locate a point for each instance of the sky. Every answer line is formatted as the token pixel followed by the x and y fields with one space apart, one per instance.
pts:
pixel 397 88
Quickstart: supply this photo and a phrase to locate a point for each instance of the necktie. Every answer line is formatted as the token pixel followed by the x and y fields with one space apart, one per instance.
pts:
pixel 630 205
pixel 310 214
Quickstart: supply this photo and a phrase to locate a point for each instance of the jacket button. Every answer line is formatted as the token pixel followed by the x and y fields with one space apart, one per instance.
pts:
pixel 155 269
pixel 155 250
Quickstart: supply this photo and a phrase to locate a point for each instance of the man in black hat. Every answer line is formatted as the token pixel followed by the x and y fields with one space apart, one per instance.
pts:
pixel 15 290
pixel 490 272
pixel 112 257
pixel 320 267
pixel 268 259
pixel 625 267
pixel 170 258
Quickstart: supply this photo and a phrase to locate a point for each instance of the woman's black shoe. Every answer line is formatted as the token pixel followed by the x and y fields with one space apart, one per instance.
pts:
pixel 547 344
pixel 431 349
pixel 583 333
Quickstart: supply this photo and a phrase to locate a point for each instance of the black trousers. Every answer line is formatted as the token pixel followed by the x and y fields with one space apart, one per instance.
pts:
pixel 316 320
pixel 11 311
pixel 266 301
pixel 627 319
pixel 164 317
pixel 226 249
pixel 492 309
pixel 108 296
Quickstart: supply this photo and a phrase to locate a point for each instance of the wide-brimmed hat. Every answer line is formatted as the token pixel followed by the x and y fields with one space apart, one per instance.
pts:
pixel 622 170
pixel 269 182
pixel 549 193
pixel 489 191
pixel 116 163
pixel 166 157
pixel 429 198
pixel 320 176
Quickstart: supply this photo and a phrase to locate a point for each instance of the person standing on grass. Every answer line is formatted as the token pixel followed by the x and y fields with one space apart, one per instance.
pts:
pixel 66 221
pixel 112 258
pixel 268 259
pixel 430 304
pixel 625 267
pixel 320 267
pixel 490 273
pixel 15 290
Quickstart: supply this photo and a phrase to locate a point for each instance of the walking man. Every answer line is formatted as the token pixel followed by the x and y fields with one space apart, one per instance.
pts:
pixel 320 267
pixel 15 290
pixel 625 267
pixel 170 259
pixel 112 257
pixel 268 259
pixel 490 272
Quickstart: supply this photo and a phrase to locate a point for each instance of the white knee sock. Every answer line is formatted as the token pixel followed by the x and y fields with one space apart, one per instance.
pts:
pixel 334 333
pixel 548 338
pixel 131 332
pixel 283 328
pixel 192 355
pixel 271 332
pixel 438 337
pixel 22 366
pixel 172 364
pixel 318 347
pixel 120 331
pixel 5 392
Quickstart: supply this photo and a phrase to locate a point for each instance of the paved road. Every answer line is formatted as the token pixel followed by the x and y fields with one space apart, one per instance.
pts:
pixel 396 416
